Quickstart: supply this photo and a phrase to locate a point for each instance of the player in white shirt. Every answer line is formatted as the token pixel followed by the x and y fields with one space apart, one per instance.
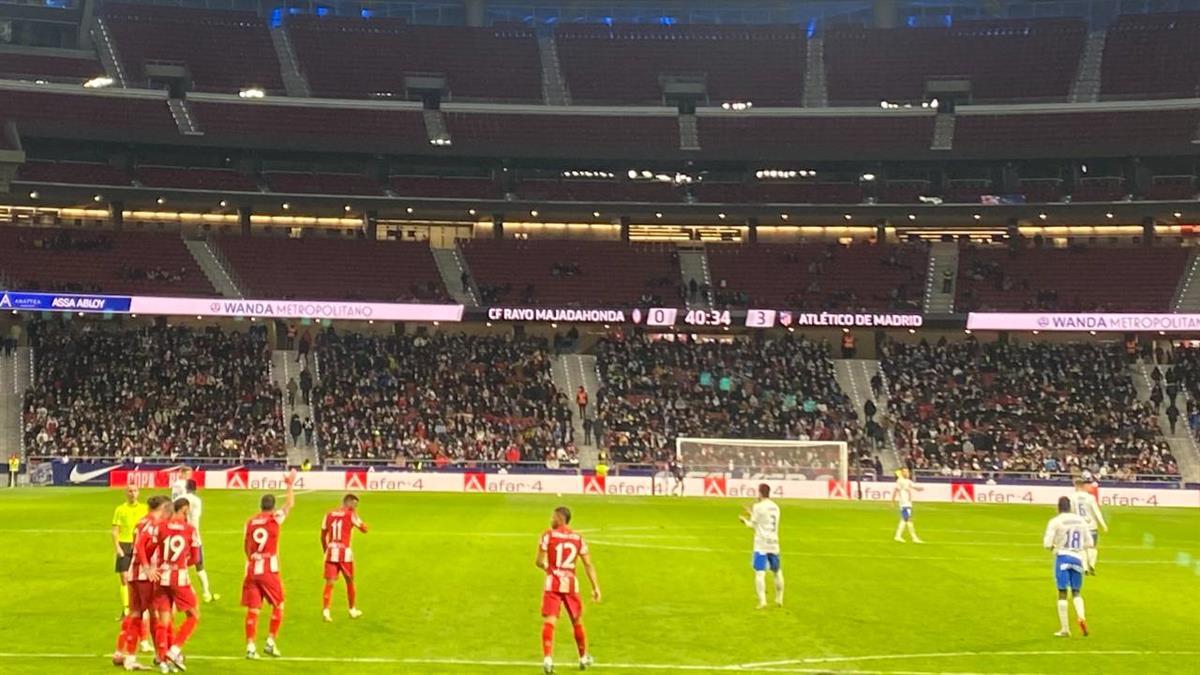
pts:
pixel 1070 537
pixel 763 518
pixel 195 510
pixel 1085 505
pixel 903 496
pixel 179 487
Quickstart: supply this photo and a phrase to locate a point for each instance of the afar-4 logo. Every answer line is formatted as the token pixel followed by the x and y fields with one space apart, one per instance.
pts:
pixel 716 486
pixel 962 492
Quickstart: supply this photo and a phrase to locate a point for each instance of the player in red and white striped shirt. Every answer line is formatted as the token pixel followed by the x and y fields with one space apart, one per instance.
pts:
pixel 178 549
pixel 262 580
pixel 558 551
pixel 339 558
pixel 141 589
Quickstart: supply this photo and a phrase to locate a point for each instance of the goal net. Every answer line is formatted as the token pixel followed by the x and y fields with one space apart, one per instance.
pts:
pixel 755 458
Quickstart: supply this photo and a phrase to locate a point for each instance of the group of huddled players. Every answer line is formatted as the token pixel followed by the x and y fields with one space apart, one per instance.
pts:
pixel 158 544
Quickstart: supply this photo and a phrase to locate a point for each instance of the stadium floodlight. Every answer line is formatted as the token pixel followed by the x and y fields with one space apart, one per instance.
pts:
pixel 934 104
pixel 97 198
pixel 1109 215
pixel 1178 214
pixel 912 216
pixel 595 214
pixel 98 82
pixel 1042 216
pixel 161 200
pixel 721 216
pixel 33 194
pixel 632 174
pixel 224 203
pixel 753 458
pixel 252 92
pixel 868 177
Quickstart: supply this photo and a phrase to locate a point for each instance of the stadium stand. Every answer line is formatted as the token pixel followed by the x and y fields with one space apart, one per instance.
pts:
pixel 1076 279
pixel 446 187
pixel 779 192
pixel 100 262
pixel 421 400
pixel 260 123
pixel 565 273
pixel 972 409
pixel 362 58
pixel 657 390
pixel 75 173
pixel 1080 134
pixel 153 392
pixel 568 136
pixel 819 277
pixel 31 66
pixel 86 115
pixel 196 178
pixel 627 63
pixel 1145 56
pixel 333 269
pixel 1004 60
pixel 224 51
pixel 322 183
pixel 1100 189
pixel 598 191
pixel 750 136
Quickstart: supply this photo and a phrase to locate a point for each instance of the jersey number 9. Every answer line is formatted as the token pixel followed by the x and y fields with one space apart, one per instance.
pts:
pixel 260 536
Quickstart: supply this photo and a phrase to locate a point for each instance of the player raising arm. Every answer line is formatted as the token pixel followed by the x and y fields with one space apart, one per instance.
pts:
pixel 339 559
pixel 262 568
pixel 1069 536
pixel 903 496
pixel 558 550
pixel 763 518
pixel 1085 505
pixel 179 548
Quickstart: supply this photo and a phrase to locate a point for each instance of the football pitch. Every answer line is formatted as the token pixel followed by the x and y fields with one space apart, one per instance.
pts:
pixel 448 585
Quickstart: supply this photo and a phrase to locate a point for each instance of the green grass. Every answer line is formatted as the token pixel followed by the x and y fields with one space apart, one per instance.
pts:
pixel 446 577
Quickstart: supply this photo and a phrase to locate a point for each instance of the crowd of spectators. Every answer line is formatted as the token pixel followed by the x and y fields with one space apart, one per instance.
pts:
pixel 655 390
pixel 156 273
pixel 156 391
pixel 443 398
pixel 976 409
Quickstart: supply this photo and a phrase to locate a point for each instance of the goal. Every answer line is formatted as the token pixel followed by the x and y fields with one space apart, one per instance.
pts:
pixel 757 458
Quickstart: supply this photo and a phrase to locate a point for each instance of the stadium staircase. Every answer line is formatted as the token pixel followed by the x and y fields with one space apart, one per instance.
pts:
pixel 570 371
pixel 283 368
pixel 554 85
pixel 689 132
pixel 693 265
pixel 1187 295
pixel 14 379
pixel 1183 444
pixel 943 257
pixel 108 52
pixel 184 119
pixel 214 271
pixel 294 82
pixel 943 132
pixel 816 93
pixel 1086 86
pixel 451 265
pixel 854 377
pixel 435 127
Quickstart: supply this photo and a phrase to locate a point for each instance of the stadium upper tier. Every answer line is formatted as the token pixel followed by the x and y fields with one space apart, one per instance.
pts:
pixel 1142 56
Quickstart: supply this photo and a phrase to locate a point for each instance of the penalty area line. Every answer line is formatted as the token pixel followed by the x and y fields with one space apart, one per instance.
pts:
pixel 949 655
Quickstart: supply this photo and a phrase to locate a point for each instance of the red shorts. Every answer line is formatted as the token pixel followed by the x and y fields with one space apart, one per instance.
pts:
pixel 552 602
pixel 182 598
pixel 267 587
pixel 141 597
pixel 332 570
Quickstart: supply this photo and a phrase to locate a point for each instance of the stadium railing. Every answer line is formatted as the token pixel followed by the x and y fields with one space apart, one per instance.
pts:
pixel 1041 478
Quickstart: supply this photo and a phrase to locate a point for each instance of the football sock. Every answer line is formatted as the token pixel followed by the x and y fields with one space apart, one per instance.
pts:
pixel 900 530
pixel 912 531
pixel 124 598
pixel 185 631
pixel 203 574
pixel 581 639
pixel 123 634
pixel 779 586
pixel 251 626
pixel 131 632
pixel 760 587
pixel 1091 554
pixel 276 621
pixel 1079 608
pixel 1062 615
pixel 326 595
pixel 351 594
pixel 162 638
pixel 547 638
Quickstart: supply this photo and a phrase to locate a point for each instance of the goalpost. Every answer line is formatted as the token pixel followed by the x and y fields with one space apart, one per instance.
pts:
pixel 758 458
